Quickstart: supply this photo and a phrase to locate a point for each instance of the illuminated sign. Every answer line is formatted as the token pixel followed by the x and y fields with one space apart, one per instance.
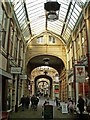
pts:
pixel 56 91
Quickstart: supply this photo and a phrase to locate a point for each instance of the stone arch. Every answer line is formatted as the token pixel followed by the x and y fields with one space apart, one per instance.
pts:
pixel 43 76
pixel 28 64
pixel 64 60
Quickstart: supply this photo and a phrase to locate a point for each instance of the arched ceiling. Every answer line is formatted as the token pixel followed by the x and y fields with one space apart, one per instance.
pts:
pixel 44 76
pixel 32 19
pixel 37 61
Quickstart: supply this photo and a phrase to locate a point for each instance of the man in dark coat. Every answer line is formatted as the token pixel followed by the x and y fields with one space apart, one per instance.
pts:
pixel 32 101
pixel 27 102
pixel 81 105
pixel 23 102
pixel 36 100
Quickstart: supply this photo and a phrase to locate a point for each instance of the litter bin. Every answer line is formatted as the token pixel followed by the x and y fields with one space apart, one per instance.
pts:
pixel 48 112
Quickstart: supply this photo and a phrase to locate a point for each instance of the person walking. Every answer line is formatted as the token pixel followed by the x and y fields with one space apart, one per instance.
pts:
pixel 56 98
pixel 70 106
pixel 81 105
pixel 23 102
pixel 88 104
pixel 27 102
pixel 36 100
pixel 32 101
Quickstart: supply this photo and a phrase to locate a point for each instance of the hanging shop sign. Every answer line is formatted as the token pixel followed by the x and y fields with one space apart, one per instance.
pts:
pixel 23 77
pixel 80 73
pixel 16 70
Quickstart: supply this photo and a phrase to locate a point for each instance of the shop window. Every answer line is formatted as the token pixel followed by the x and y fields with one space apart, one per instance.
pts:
pixel 16 48
pixel 4 26
pixel 78 48
pixel 84 43
pixel 51 39
pixel 40 40
pixel 12 37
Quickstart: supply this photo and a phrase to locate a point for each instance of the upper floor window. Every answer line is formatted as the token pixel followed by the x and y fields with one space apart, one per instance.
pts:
pixel 51 39
pixel 11 40
pixel 16 48
pixel 4 26
pixel 40 40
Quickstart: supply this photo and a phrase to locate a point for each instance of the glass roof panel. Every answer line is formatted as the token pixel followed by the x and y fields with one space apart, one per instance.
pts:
pixel 36 14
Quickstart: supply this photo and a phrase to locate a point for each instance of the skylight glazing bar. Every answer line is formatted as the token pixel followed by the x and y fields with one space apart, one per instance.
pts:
pixel 22 19
pixel 30 1
pixel 56 26
pixel 36 27
pixel 36 11
pixel 39 24
pixel 18 6
pixel 34 4
pixel 20 11
pixel 39 7
pixel 20 14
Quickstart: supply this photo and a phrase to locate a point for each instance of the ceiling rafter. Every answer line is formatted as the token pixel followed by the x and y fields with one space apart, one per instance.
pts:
pixel 27 17
pixel 66 17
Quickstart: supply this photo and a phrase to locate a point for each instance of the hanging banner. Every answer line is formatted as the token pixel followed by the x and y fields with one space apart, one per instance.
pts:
pixel 80 73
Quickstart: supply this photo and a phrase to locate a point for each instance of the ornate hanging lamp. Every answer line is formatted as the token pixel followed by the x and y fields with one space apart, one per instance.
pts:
pixel 52 8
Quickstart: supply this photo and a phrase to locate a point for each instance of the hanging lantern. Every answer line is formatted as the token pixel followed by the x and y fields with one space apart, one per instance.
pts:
pixel 52 8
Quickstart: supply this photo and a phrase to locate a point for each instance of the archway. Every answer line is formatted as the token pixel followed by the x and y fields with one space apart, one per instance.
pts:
pixel 43 76
pixel 53 62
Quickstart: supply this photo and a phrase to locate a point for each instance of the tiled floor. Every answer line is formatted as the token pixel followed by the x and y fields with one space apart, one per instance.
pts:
pixel 29 113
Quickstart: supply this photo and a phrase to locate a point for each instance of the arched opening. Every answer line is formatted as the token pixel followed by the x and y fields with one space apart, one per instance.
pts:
pixel 44 89
pixel 54 62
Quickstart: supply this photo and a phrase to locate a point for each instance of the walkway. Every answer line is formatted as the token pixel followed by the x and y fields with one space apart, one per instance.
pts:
pixel 29 113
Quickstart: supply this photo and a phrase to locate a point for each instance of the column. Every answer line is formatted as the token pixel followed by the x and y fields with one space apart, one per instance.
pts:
pixel 74 60
pixel 80 38
pixel 87 26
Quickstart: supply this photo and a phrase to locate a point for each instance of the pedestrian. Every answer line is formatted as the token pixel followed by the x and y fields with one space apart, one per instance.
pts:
pixel 32 101
pixel 23 102
pixel 56 98
pixel 88 104
pixel 36 100
pixel 70 106
pixel 27 102
pixel 81 105
pixel 46 102
pixel 59 104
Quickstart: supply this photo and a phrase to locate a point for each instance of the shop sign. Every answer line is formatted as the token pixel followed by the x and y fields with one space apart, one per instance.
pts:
pixel 64 108
pixel 23 77
pixel 80 73
pixel 16 70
